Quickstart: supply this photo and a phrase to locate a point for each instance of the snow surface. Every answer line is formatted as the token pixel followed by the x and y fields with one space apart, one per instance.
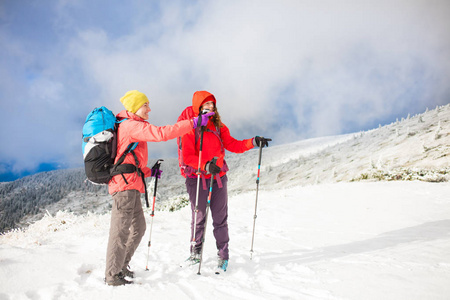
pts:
pixel 318 235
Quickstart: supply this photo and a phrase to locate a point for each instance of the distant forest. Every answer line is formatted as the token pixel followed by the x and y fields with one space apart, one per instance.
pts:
pixel 27 195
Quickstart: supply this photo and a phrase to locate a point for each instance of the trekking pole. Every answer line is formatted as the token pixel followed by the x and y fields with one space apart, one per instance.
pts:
pixel 156 173
pixel 206 217
pixel 193 243
pixel 256 201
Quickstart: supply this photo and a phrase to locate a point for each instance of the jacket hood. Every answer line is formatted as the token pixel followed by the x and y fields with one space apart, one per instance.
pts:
pixel 199 98
pixel 124 114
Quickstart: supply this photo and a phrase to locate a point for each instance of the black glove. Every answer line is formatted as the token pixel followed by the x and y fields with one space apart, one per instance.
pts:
pixel 211 167
pixel 259 141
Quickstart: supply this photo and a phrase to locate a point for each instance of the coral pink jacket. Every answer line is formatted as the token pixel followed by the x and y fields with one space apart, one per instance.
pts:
pixel 135 129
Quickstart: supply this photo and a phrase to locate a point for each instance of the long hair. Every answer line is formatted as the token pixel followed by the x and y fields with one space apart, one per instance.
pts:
pixel 216 118
pixel 217 121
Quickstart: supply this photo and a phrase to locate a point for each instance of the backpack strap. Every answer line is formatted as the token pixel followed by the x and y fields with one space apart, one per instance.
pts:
pixel 188 170
pixel 121 168
pixel 215 132
pixel 129 149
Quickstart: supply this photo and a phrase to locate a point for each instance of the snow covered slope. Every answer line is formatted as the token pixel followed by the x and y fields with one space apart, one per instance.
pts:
pixel 362 240
pixel 417 143
pixel 416 147
pixel 326 228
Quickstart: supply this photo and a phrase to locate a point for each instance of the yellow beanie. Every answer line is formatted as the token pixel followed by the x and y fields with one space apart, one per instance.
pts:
pixel 133 100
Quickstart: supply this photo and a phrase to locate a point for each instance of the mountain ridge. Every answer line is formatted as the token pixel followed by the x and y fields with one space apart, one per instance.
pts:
pixel 415 148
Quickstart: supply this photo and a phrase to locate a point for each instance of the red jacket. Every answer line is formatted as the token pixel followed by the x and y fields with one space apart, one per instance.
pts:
pixel 135 129
pixel 212 147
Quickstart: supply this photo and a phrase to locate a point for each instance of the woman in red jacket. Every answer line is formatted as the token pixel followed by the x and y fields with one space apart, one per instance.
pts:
pixel 127 217
pixel 216 138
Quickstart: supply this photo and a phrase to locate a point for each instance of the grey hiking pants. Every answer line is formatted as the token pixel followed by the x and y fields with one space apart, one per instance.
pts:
pixel 126 231
pixel 219 213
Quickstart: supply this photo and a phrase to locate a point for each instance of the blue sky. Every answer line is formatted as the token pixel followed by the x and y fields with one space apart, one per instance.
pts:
pixel 289 70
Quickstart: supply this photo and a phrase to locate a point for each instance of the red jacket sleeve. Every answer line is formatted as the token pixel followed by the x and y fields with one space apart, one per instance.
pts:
pixel 233 145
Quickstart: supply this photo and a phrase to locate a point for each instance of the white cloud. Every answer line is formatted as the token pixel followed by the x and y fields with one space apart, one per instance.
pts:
pixel 335 66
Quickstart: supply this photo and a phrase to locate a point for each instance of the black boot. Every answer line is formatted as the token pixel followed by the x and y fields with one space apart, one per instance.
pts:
pixel 127 273
pixel 118 279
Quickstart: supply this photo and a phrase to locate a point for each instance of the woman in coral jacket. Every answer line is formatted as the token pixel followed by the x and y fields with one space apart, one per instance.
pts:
pixel 216 138
pixel 127 217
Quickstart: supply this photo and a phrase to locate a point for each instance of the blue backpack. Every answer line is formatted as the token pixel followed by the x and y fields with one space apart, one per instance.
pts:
pixel 100 147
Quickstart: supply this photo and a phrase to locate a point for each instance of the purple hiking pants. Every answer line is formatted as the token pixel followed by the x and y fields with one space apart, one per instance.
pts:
pixel 218 210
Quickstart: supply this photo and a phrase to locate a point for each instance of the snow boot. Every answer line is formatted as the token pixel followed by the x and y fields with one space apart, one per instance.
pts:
pixel 127 273
pixel 118 280
pixel 194 259
pixel 222 266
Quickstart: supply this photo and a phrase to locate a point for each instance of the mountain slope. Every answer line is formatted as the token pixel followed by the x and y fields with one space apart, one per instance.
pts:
pixel 417 147
pixel 317 236
pixel 421 142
